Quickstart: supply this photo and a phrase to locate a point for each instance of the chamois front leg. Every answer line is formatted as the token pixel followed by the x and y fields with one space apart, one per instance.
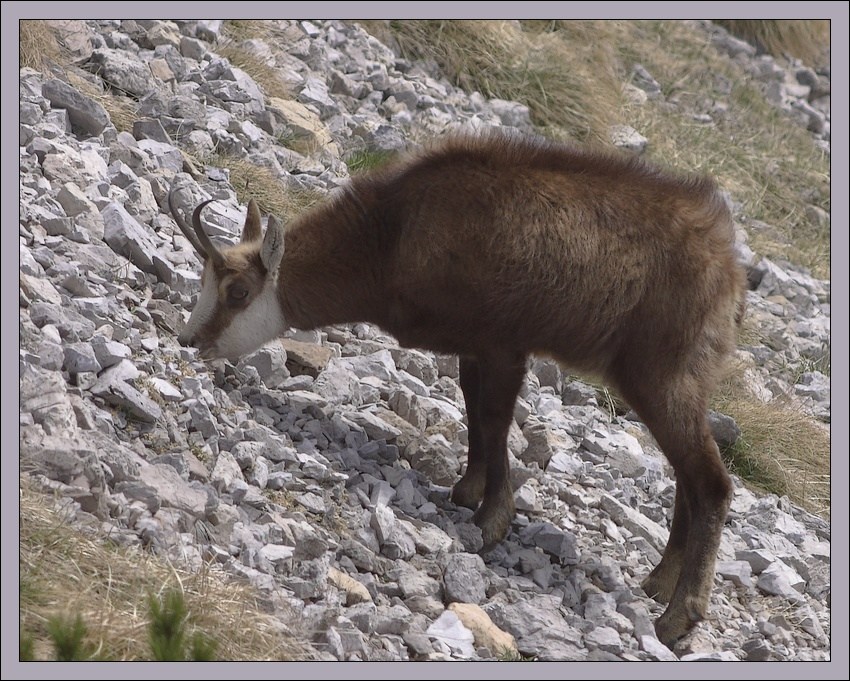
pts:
pixel 469 491
pixel 661 582
pixel 499 380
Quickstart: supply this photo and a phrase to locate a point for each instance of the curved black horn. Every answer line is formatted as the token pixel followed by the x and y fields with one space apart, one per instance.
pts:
pixel 204 240
pixel 185 228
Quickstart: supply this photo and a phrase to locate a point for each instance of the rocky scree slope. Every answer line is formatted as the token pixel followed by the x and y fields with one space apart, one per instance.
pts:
pixel 319 467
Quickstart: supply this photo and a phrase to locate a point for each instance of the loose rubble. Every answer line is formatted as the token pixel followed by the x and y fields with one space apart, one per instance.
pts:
pixel 319 467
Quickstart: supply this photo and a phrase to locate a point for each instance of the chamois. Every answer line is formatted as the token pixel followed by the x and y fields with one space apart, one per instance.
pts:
pixel 495 247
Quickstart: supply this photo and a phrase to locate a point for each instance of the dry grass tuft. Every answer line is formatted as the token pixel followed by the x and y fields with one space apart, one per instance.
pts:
pixel 65 572
pixel 265 75
pixel 252 181
pixel 781 450
pixel 807 40
pixel 767 162
pixel 565 77
pixel 237 30
pixel 38 45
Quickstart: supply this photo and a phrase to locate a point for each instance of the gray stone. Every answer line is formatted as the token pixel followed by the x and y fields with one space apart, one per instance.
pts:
pixel 628 138
pixel 192 48
pixel 164 155
pixel 278 555
pixel 418 644
pixel 270 363
pixel 526 498
pixel 416 363
pixel 757 650
pixel 67 457
pixel 553 540
pixel 39 289
pixel 434 457
pixel 172 490
pixel 415 583
pixel 202 419
pixel 539 627
pixel 407 405
pixel 724 430
pixel 121 394
pixel 382 492
pixel 312 503
pixel 123 71
pixel 71 324
pixel 576 392
pixel 779 579
pixel 80 357
pixel 378 364
pixel 150 129
pixel 87 115
pixel 124 370
pixel 74 201
pixel 656 649
pixel 50 355
pixel 758 559
pixel 635 522
pixel 814 384
pixel 395 542
pixel 128 238
pixel 809 622
pixel 544 443
pixel 376 428
pixel 644 80
pixel 465 578
pixel 604 638
pixel 109 352
pixel 739 572
pixel 512 114
pixel 392 620
pixel 315 92
pixel 225 472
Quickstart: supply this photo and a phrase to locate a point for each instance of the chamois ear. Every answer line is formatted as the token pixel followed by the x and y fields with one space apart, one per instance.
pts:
pixel 272 250
pixel 252 231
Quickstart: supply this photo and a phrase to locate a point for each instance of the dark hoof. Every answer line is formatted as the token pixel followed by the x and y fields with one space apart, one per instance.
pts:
pixel 494 525
pixel 468 492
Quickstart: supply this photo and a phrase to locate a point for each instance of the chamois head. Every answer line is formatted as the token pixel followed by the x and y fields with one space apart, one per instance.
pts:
pixel 238 308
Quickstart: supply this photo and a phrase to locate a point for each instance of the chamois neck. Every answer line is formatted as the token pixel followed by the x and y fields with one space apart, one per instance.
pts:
pixel 330 272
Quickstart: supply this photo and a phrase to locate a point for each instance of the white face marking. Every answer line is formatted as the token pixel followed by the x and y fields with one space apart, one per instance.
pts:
pixel 257 324
pixel 204 309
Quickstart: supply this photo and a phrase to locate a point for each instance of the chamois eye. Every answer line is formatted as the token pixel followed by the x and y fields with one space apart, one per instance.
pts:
pixel 237 293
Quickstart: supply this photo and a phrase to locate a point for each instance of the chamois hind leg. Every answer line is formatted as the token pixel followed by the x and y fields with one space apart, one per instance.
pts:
pixel 499 380
pixel 677 417
pixel 469 491
pixel 661 582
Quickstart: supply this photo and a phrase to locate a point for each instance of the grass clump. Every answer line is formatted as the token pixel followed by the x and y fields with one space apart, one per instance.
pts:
pixel 567 79
pixel 365 159
pixel 38 44
pixel 781 449
pixel 768 162
pixel 266 75
pixel 67 570
pixel 253 181
pixel 803 39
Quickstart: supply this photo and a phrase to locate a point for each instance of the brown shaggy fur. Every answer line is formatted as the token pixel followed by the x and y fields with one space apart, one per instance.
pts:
pixel 497 247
